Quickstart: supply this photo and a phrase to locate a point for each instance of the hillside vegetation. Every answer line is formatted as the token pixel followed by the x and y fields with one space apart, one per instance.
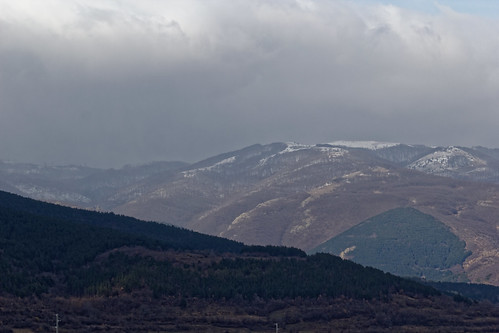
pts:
pixel 103 272
pixel 173 237
pixel 405 242
pixel 39 251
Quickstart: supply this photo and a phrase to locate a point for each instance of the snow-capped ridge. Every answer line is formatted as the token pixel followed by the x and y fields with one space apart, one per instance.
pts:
pixel 192 172
pixel 294 146
pixel 447 158
pixel 371 145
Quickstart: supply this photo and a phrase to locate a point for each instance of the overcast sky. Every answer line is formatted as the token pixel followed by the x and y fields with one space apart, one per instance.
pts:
pixel 109 82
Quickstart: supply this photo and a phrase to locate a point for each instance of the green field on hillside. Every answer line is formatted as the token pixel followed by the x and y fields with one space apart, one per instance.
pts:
pixel 405 242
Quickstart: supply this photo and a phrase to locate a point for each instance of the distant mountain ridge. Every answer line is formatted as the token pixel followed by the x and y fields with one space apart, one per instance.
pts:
pixel 103 188
pixel 293 194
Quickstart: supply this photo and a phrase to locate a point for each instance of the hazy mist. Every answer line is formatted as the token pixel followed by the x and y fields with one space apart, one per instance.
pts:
pixel 105 83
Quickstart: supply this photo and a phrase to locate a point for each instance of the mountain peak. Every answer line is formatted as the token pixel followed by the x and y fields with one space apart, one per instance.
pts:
pixel 447 159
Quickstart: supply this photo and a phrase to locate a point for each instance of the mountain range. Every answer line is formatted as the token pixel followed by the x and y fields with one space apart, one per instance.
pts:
pixel 293 194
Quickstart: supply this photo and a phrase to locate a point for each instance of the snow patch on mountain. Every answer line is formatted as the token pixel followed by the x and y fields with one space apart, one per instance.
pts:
pixel 191 173
pixel 447 159
pixel 371 145
pixel 331 152
pixel 222 162
pixel 293 146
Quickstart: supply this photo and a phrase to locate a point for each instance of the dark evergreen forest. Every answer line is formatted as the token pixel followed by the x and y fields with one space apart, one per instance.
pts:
pixel 45 246
pixel 104 272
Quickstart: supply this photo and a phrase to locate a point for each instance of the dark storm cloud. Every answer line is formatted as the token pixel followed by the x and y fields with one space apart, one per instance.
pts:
pixel 112 82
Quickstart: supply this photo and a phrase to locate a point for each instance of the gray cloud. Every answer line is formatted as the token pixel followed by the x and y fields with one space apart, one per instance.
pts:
pixel 107 83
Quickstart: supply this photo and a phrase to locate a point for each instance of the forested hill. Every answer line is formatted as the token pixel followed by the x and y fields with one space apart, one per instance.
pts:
pixel 44 244
pixel 173 237
pixel 99 270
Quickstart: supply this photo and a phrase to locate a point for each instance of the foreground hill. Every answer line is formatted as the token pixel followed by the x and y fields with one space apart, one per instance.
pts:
pixel 69 219
pixel 100 274
pixel 94 253
pixel 295 195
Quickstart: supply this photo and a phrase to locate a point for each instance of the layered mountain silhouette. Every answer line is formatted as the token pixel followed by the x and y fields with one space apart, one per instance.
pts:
pixel 105 272
pixel 294 195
